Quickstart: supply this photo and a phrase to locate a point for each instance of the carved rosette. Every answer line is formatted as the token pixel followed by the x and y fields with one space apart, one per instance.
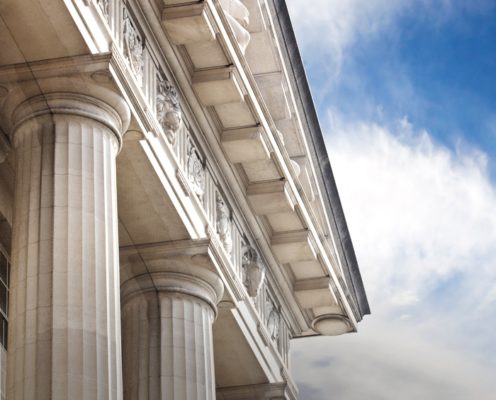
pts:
pixel 253 269
pixel 273 318
pixel 133 47
pixel 223 223
pixel 168 110
pixel 195 171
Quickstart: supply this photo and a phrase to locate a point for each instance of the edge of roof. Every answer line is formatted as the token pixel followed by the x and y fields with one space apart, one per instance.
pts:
pixel 333 206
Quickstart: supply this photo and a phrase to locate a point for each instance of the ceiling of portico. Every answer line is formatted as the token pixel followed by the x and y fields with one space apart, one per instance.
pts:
pixel 235 362
pixel 146 213
pixel 32 30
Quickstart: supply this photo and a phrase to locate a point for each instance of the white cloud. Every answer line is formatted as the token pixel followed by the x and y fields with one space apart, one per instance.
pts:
pixel 422 218
pixel 332 27
pixel 418 213
pixel 335 25
pixel 423 222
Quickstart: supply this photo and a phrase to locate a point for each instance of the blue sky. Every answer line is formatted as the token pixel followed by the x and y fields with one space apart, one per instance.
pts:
pixel 406 94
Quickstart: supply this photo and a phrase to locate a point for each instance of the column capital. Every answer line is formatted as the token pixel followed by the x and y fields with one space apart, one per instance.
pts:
pixel 83 86
pixel 169 294
pixel 115 116
pixel 184 267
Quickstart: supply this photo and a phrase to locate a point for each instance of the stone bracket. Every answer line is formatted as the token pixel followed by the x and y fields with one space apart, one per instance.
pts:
pixel 217 86
pixel 317 292
pixel 245 145
pixel 273 91
pixel 187 23
pixel 294 246
pixel 270 197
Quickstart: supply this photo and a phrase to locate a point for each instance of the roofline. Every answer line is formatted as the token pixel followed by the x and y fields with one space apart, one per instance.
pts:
pixel 333 205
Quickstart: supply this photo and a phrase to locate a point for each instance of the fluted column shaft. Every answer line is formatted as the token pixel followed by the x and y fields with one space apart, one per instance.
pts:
pixel 168 348
pixel 167 336
pixel 64 317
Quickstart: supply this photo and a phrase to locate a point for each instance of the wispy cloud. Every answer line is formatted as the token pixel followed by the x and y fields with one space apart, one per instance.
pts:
pixel 390 362
pixel 422 215
pixel 333 26
pixel 418 211
pixel 330 28
pixel 423 220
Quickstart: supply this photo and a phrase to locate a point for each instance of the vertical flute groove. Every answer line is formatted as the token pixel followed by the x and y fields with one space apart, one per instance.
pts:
pixel 65 311
pixel 184 328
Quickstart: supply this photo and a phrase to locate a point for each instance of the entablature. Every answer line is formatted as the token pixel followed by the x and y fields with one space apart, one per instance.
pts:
pixel 225 112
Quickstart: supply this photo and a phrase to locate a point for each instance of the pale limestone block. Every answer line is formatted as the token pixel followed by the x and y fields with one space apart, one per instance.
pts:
pixel 188 23
pixel 261 54
pixel 294 246
pixel 283 222
pixel 235 115
pixel 272 87
pixel 307 269
pixel 264 170
pixel 271 197
pixel 217 86
pixel 245 145
pixel 256 22
pixel 313 293
pixel 207 54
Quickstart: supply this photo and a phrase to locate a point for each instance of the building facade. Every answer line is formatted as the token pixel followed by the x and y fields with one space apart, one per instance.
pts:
pixel 169 220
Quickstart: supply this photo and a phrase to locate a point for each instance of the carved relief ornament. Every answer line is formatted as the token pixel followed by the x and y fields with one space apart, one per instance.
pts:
pixel 104 6
pixel 195 171
pixel 223 223
pixel 133 47
pixel 273 318
pixel 168 110
pixel 254 270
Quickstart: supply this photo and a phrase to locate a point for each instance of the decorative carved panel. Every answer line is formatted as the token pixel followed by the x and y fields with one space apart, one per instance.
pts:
pixel 168 110
pixel 133 46
pixel 223 222
pixel 195 171
pixel 273 318
pixel 253 270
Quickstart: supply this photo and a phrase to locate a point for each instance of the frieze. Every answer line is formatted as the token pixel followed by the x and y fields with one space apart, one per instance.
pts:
pixel 133 47
pixel 273 318
pixel 168 110
pixel 253 270
pixel 195 171
pixel 104 6
pixel 223 222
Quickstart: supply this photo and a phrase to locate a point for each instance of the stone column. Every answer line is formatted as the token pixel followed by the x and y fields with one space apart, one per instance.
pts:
pixel 64 317
pixel 167 318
